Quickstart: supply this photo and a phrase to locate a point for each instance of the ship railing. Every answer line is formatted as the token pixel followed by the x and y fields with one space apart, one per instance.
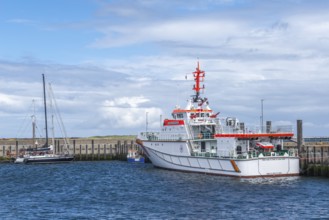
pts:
pixel 202 121
pixel 256 153
pixel 155 136
pixel 257 129
pixel 203 154
pixel 246 155
pixel 267 129
pixel 204 135
pixel 149 135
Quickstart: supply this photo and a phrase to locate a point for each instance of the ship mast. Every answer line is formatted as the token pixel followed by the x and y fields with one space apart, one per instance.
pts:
pixel 198 78
pixel 34 126
pixel 45 106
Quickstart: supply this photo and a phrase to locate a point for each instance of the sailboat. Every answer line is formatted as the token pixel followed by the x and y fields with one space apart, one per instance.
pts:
pixel 45 154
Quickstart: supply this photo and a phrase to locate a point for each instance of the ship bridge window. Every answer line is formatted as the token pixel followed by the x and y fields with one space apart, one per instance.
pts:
pixel 202 114
pixel 180 116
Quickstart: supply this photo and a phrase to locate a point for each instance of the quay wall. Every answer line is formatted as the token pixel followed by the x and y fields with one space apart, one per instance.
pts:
pixel 82 148
pixel 314 156
pixel 314 159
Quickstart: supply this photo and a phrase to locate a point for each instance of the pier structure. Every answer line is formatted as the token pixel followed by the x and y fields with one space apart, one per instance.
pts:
pixel 83 148
pixel 313 151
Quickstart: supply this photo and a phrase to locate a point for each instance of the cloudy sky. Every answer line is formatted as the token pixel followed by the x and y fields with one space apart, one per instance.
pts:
pixel 112 62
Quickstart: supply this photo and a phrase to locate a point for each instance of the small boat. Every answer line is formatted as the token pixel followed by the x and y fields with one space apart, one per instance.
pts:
pixel 196 139
pixel 134 156
pixel 46 153
pixel 42 155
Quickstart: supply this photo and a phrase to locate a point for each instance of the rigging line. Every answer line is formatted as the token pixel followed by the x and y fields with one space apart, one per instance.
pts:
pixel 52 116
pixel 25 122
pixel 59 118
pixel 38 131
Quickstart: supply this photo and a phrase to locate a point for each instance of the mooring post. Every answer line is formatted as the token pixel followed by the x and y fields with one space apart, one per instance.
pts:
pixel 125 148
pixel 314 155
pixel 98 152
pixel 86 152
pixel 111 151
pixel 300 144
pixel 321 156
pixel 55 147
pixel 307 156
pixel 80 151
pixel 74 147
pixel 118 150
pixel 104 151
pixel 131 145
pixel 92 149
pixel 16 148
pixel 327 156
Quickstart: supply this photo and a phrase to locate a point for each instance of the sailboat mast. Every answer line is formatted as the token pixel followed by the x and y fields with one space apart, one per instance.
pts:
pixel 33 130
pixel 45 105
pixel 33 124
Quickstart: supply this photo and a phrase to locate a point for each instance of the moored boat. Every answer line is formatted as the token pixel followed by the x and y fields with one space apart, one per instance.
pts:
pixel 46 153
pixel 134 156
pixel 195 139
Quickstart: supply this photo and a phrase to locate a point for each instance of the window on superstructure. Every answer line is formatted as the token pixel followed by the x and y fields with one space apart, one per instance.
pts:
pixel 180 116
pixel 202 115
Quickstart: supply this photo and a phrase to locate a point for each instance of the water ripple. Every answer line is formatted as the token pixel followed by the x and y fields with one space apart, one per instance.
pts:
pixel 119 190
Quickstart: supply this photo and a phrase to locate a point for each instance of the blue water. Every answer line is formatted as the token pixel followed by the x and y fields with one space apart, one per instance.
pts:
pixel 120 190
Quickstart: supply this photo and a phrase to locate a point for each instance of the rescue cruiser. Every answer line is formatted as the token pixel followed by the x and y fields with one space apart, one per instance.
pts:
pixel 195 139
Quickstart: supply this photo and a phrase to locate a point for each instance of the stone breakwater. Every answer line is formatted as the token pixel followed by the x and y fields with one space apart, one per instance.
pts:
pixel 112 148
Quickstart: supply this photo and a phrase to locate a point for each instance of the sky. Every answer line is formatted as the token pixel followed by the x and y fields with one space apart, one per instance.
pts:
pixel 113 63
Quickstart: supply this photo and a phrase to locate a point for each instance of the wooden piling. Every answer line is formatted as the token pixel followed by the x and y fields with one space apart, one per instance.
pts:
pixel 73 147
pixel 92 149
pixel 104 152
pixel 83 149
pixel 80 151
pixel 98 152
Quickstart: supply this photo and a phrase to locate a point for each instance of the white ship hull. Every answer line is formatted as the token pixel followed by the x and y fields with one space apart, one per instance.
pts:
pixel 195 139
pixel 253 167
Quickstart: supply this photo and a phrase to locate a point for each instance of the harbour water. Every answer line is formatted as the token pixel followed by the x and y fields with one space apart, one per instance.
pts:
pixel 120 190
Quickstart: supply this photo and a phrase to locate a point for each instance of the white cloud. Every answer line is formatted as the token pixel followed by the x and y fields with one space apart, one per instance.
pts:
pixel 132 102
pixel 141 52
pixel 205 32
pixel 124 112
